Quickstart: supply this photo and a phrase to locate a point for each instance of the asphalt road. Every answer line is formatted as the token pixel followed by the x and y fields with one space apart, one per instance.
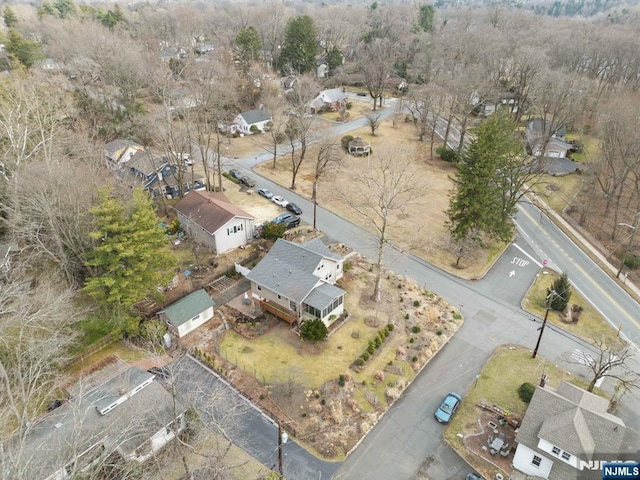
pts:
pixel 406 442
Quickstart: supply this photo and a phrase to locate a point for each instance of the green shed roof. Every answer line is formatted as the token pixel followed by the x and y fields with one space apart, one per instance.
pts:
pixel 188 307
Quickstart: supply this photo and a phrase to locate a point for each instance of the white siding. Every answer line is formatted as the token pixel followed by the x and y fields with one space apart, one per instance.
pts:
pixel 233 234
pixel 266 294
pixel 523 458
pixel 548 447
pixel 190 325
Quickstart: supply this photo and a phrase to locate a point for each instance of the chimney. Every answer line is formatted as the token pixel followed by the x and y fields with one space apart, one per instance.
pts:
pixel 543 380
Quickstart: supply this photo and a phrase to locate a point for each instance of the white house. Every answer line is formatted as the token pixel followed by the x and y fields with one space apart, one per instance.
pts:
pixel 296 281
pixel 128 414
pixel 564 431
pixel 211 219
pixel 188 313
pixel 259 119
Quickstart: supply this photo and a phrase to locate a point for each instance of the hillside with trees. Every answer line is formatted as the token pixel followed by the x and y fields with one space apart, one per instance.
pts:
pixel 85 243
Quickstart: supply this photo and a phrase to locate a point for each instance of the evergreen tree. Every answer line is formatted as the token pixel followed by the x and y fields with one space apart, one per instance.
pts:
pixel 248 46
pixel 559 293
pixel 483 200
pixel 334 60
pixel 300 46
pixel 425 17
pixel 10 18
pixel 128 261
pixel 22 50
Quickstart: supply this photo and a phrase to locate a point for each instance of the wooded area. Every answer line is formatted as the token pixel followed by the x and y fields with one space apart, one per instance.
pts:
pixel 76 77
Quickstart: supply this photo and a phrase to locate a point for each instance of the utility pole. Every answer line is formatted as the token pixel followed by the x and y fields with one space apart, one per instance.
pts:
pixel 634 227
pixel 544 322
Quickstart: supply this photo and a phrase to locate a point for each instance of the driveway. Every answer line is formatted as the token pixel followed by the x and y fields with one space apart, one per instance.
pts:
pixel 223 409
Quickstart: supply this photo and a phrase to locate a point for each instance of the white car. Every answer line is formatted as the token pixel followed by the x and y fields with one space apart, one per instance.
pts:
pixel 278 200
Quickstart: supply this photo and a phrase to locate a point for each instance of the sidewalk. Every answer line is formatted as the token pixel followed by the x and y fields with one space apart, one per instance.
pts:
pixel 584 243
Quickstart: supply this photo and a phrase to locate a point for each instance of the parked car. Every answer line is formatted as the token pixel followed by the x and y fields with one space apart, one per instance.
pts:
pixel 248 182
pixel 278 200
pixel 288 219
pixel 235 174
pixel 448 407
pixel 293 208
pixel 473 476
pixel 265 193
pixel 361 94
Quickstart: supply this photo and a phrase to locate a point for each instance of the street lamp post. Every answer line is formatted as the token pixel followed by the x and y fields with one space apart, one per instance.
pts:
pixel 544 322
pixel 634 229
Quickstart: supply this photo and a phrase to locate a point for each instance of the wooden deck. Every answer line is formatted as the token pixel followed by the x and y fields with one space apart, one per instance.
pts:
pixel 280 312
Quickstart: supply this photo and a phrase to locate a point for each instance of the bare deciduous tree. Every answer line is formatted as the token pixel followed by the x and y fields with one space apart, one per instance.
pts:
pixel 609 362
pixel 328 158
pixel 376 64
pixel 384 189
pixel 373 121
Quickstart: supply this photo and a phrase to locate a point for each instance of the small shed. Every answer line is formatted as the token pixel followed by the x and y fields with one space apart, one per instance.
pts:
pixel 358 147
pixel 188 313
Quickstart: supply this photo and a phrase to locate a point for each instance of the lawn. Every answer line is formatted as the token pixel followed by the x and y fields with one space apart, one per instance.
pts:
pixel 333 358
pixel 498 383
pixel 422 229
pixel 591 324
pixel 121 349
pixel 558 192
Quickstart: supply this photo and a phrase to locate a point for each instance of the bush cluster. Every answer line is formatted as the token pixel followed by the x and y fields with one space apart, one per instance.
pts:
pixel 374 344
pixel 447 154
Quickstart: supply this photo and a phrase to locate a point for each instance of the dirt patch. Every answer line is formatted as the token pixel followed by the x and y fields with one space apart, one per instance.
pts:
pixel 330 417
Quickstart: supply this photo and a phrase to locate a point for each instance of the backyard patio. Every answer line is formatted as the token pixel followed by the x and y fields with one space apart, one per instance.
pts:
pixel 496 441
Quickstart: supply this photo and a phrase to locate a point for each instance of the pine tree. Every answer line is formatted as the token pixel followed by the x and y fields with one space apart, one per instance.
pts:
pixel 559 293
pixel 248 45
pixel 127 262
pixel 300 46
pixel 482 201
pixel 10 18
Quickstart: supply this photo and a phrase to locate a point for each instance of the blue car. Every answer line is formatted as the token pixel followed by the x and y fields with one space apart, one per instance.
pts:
pixel 448 407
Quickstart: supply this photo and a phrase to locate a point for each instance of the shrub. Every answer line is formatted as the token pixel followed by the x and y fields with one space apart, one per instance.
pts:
pixel 347 266
pixel 439 333
pixel 390 327
pixel 447 154
pixel 314 330
pixel 371 349
pixel 359 362
pixel 341 380
pixel 414 359
pixel 415 329
pixel 406 316
pixel 411 340
pixel 377 342
pixel 526 392
pixel 416 303
pixel 365 356
pixel 559 294
pixel 323 402
pixel 254 129
pixel 273 231
pixel 344 141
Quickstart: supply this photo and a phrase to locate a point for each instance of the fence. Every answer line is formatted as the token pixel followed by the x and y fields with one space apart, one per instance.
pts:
pixel 92 349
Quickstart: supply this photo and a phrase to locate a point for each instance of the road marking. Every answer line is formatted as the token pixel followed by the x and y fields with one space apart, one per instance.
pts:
pixel 594 283
pixel 512 273
pixel 525 253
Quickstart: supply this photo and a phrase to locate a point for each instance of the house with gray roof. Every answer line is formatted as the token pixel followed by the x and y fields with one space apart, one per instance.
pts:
pixel 565 432
pixel 546 140
pixel 330 100
pixel 128 415
pixel 211 219
pixel 188 313
pixel 120 151
pixel 296 281
pixel 249 122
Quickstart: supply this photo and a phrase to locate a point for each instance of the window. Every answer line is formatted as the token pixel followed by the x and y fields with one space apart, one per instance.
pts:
pixel 536 460
pixel 235 229
pixel 566 456
pixel 279 297
pixel 259 287
pixel 555 451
